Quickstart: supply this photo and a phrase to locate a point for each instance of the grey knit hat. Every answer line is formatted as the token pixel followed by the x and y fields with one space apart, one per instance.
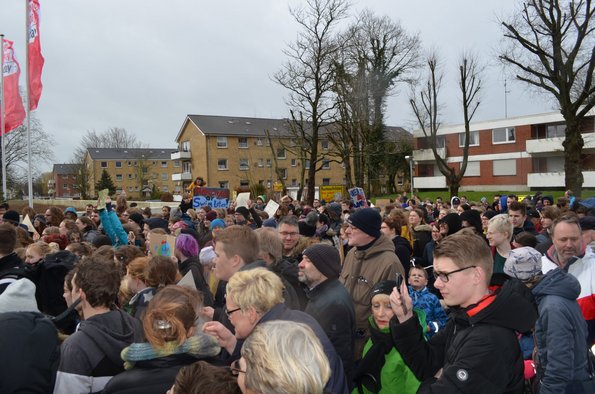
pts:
pixel 19 296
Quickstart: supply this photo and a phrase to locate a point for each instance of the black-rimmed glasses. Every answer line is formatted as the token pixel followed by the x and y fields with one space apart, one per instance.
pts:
pixel 229 313
pixel 443 276
pixel 235 368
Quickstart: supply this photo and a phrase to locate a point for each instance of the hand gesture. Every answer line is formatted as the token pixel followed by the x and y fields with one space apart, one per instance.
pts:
pixel 401 303
pixel 225 337
pixel 207 312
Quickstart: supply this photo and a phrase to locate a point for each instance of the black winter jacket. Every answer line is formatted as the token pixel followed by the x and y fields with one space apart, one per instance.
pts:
pixel 193 264
pixel 478 349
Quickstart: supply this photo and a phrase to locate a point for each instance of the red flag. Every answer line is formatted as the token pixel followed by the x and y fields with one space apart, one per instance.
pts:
pixel 13 104
pixel 36 59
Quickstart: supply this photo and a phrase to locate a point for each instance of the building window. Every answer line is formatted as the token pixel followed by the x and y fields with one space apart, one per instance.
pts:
pixel 259 141
pixel 242 142
pixel 283 173
pixel 307 164
pixel 223 184
pixel 268 162
pixel 473 139
pixel 260 162
pixel 504 167
pixel 164 177
pixel 118 164
pixel 65 186
pixel 472 169
pixel 281 153
pixel 326 181
pixel 164 164
pixel 187 167
pixel 221 142
pixel 222 164
pixel 129 164
pixel 130 176
pixel 186 146
pixel 130 188
pixel 326 165
pixel 103 164
pixel 244 183
pixel 177 163
pixel 324 144
pixel 145 170
pixel 118 177
pixel 503 135
pixel 244 166
pixel 267 142
pixel 293 182
pixel 554 131
pixel 177 189
pixel 165 189
pixel 293 162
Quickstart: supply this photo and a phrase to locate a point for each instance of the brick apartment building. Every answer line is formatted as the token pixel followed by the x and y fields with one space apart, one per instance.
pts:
pixel 63 183
pixel 515 154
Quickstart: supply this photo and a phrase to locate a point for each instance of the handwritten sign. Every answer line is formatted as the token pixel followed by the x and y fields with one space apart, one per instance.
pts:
pixel 358 196
pixel 162 245
pixel 211 196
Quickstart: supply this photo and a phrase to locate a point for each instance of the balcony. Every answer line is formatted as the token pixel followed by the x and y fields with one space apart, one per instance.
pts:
pixel 427 155
pixel 429 182
pixel 552 145
pixel 181 176
pixel 556 179
pixel 181 155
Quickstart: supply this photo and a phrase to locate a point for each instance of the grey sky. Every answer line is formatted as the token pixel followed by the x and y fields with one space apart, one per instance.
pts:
pixel 144 65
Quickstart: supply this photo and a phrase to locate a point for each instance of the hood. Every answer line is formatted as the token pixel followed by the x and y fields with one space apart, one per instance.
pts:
pixel 423 227
pixel 454 222
pixel 112 331
pixel 504 204
pixel 382 244
pixel 559 283
pixel 510 306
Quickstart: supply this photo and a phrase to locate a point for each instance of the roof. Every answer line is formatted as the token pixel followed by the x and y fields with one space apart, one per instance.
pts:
pixel 65 169
pixel 254 127
pixel 130 153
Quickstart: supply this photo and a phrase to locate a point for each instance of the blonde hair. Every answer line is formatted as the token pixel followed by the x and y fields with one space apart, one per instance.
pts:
pixel 42 248
pixel 258 288
pixel 465 250
pixel 284 357
pixel 500 223
pixel 269 242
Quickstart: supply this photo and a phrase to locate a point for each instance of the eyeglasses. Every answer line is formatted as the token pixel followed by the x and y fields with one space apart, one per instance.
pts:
pixel 235 368
pixel 229 313
pixel 287 234
pixel 444 276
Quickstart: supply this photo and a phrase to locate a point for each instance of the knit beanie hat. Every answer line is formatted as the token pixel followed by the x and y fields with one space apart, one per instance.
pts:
pixel 211 215
pixel 12 217
pixel 244 212
pixel 137 218
pixel 383 287
pixel 325 258
pixel 19 296
pixel 206 255
pixel 305 229
pixel 217 223
pixel 368 220
pixel 523 263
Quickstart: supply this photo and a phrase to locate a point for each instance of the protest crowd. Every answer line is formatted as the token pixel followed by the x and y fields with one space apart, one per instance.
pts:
pixel 438 296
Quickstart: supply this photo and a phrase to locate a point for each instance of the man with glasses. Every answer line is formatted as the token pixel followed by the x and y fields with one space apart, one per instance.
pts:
pixel 371 259
pixel 289 233
pixel 478 350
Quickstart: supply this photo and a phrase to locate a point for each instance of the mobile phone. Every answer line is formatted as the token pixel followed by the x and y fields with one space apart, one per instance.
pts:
pixel 399 280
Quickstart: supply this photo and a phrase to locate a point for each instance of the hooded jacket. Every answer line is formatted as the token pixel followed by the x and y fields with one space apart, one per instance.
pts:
pixel 478 349
pixel 91 356
pixel 560 333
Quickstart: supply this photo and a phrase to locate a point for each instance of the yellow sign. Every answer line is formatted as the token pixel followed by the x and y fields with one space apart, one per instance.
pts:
pixel 330 193
pixel 277 187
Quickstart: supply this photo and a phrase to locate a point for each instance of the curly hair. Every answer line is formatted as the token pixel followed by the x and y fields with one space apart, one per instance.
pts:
pixel 99 278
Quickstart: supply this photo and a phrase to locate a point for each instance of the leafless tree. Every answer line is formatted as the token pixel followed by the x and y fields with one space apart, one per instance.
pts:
pixel 309 73
pixel 426 108
pixel 552 49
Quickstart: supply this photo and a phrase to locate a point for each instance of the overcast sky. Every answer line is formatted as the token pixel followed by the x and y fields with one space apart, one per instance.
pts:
pixel 144 65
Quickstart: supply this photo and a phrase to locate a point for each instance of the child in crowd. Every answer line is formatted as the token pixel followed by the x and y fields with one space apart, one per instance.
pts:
pixel 382 369
pixel 426 301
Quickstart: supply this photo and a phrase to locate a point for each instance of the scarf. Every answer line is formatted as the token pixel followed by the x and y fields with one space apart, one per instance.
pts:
pixel 368 370
pixel 199 346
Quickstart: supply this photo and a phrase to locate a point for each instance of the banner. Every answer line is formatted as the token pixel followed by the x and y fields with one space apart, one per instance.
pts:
pixel 213 197
pixel 330 193
pixel 13 104
pixel 358 196
pixel 36 59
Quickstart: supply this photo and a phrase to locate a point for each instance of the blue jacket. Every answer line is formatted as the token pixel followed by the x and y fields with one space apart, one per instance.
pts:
pixel 429 303
pixel 560 333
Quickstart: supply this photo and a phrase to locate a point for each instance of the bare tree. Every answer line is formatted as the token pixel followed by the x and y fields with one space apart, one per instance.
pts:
pixel 426 108
pixel 309 72
pixel 552 48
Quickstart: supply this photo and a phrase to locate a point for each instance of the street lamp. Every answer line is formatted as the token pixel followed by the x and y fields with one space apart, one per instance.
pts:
pixel 410 160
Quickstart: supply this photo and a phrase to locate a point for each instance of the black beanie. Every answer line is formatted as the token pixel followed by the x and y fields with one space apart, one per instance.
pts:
pixel 137 218
pixel 306 230
pixel 368 220
pixel 12 217
pixel 244 212
pixel 325 258
pixel 383 287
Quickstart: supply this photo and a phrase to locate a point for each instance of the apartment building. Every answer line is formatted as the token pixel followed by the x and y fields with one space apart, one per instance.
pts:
pixel 235 152
pixel 132 170
pixel 515 154
pixel 63 183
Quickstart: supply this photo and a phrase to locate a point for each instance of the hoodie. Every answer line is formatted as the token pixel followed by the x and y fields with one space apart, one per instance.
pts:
pixel 478 349
pixel 560 333
pixel 91 356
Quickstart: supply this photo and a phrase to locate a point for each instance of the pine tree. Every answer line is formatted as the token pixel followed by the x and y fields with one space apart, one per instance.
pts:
pixel 106 183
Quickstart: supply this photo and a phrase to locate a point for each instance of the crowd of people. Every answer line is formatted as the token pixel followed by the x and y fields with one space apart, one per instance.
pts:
pixel 415 296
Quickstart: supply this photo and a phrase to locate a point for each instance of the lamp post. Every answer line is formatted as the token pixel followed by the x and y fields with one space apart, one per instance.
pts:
pixel 410 160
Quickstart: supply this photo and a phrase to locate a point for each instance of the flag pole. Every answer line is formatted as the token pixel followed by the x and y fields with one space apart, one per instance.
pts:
pixel 29 176
pixel 2 116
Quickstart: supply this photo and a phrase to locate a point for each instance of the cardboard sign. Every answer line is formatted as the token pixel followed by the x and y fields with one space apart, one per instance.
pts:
pixel 271 208
pixel 102 196
pixel 211 196
pixel 242 199
pixel 358 196
pixel 330 193
pixel 162 245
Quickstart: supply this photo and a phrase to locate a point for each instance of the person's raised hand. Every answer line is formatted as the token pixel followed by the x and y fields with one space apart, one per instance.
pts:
pixel 225 337
pixel 401 303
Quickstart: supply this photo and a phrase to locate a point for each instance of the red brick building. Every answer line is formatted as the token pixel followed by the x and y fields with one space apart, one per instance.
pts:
pixel 63 183
pixel 515 154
